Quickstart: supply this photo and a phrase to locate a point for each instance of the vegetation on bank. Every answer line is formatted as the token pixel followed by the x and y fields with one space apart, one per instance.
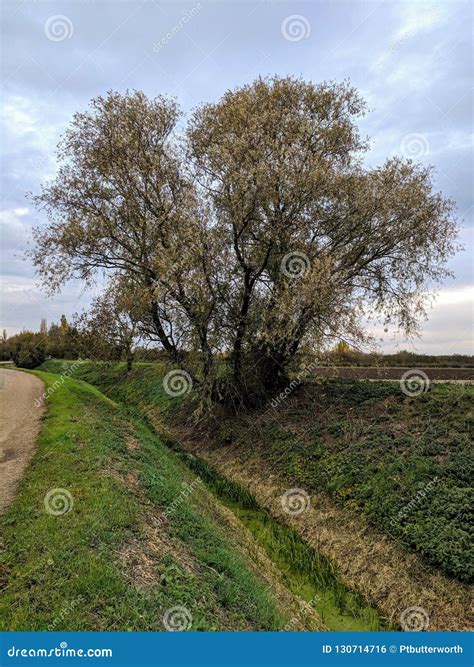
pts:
pixel 306 572
pixel 404 462
pixel 90 567
pixel 350 357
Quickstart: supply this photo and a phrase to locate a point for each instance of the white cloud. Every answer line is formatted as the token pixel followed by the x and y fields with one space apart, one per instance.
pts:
pixel 448 330
pixel 418 17
pixel 410 59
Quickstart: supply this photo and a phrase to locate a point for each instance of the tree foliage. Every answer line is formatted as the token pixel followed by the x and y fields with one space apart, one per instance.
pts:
pixel 29 350
pixel 109 329
pixel 254 232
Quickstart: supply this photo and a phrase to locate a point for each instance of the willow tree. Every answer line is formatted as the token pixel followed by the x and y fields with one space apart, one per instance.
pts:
pixel 254 230
pixel 109 329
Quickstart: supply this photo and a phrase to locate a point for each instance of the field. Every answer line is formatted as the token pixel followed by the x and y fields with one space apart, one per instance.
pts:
pixel 386 373
pixel 405 463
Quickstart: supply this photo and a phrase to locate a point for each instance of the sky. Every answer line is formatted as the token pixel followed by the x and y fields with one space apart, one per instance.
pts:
pixel 411 61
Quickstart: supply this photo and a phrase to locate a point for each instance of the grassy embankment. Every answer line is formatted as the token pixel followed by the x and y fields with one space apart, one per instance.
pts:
pixel 304 572
pixel 403 462
pixel 114 561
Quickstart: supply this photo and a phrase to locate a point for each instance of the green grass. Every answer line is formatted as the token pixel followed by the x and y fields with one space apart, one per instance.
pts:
pixel 306 573
pixel 404 462
pixel 64 572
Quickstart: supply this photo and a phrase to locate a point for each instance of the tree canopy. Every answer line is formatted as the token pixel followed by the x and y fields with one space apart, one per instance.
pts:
pixel 247 233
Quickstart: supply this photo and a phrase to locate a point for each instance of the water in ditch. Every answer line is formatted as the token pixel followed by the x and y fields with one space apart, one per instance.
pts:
pixel 306 573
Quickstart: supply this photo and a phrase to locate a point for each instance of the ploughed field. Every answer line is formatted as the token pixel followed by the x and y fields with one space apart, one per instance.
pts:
pixel 391 373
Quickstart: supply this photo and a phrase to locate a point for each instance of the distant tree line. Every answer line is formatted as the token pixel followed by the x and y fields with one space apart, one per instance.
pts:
pixel 105 332
pixel 346 356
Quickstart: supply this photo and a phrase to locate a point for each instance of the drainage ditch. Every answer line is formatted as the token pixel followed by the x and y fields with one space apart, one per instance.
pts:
pixel 305 572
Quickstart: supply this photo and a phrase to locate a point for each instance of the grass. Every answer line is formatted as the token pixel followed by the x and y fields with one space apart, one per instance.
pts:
pixel 68 572
pixel 306 573
pixel 404 462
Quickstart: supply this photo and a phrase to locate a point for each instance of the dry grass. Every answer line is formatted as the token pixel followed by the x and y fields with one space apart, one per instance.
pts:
pixel 142 558
pixel 380 569
pixel 132 444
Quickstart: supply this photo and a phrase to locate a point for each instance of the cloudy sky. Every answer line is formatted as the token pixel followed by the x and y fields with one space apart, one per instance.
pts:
pixel 411 61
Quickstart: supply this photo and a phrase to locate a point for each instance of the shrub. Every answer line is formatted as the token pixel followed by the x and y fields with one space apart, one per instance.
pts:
pixel 29 354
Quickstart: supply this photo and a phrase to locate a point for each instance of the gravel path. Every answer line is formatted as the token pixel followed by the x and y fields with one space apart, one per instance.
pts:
pixel 19 427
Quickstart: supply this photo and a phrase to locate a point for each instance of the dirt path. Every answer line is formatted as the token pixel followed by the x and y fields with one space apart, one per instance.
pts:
pixel 19 427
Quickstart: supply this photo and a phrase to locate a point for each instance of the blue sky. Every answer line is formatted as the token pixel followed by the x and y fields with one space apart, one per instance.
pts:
pixel 410 60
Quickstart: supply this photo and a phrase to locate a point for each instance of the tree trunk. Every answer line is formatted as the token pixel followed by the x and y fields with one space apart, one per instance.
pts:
pixel 270 365
pixel 129 358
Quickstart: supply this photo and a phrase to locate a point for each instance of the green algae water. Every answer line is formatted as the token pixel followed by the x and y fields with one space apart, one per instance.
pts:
pixel 306 573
